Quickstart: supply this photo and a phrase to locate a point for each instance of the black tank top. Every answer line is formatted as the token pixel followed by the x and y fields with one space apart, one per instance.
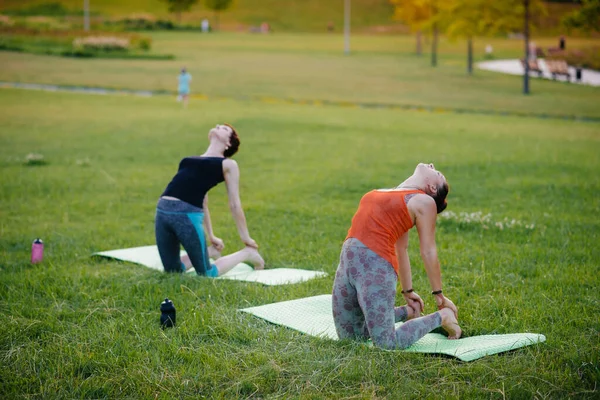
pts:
pixel 195 177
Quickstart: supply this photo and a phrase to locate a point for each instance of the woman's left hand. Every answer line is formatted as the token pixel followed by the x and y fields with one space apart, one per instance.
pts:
pixel 217 242
pixel 444 302
pixel 414 300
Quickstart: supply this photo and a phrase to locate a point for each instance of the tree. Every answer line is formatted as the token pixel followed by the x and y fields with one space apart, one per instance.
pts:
pixel 419 15
pixel 514 15
pixel 468 19
pixel 179 6
pixel 587 18
pixel 217 6
pixel 413 13
pixel 471 18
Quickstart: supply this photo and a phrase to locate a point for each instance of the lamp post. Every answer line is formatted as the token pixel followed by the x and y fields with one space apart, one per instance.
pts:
pixel 526 76
pixel 86 15
pixel 346 26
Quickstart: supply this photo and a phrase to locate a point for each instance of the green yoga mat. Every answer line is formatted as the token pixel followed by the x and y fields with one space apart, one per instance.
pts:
pixel 148 256
pixel 313 316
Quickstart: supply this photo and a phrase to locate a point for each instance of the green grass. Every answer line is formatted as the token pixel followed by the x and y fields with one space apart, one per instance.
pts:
pixel 368 16
pixel 382 69
pixel 78 327
pixel 305 16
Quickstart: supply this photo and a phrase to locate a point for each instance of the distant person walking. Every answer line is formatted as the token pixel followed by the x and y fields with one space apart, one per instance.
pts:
pixel 205 25
pixel 183 88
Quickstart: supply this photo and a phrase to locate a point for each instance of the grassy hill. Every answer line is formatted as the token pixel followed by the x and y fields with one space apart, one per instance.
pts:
pixel 368 16
pixel 282 15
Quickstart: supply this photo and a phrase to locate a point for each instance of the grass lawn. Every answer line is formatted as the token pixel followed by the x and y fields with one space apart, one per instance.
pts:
pixel 382 69
pixel 77 327
pixel 283 15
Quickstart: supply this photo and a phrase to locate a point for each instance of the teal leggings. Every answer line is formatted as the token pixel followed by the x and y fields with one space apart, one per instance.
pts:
pixel 180 224
pixel 364 293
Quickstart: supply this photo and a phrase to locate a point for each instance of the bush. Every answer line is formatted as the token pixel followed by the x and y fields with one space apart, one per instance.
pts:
pixel 145 44
pixel 41 23
pixel 141 22
pixel 50 9
pixel 587 57
pixel 5 20
pixel 78 44
pixel 101 43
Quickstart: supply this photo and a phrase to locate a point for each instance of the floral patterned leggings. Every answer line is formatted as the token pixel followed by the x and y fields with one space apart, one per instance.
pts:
pixel 364 293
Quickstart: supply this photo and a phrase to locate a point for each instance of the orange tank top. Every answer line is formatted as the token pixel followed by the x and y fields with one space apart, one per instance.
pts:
pixel 381 219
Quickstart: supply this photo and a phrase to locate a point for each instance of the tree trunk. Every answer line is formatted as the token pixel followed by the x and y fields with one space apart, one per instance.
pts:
pixel 419 44
pixel 470 56
pixel 179 17
pixel 434 46
pixel 216 20
pixel 526 76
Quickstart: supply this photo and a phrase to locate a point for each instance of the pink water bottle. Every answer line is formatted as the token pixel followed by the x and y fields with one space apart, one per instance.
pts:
pixel 37 251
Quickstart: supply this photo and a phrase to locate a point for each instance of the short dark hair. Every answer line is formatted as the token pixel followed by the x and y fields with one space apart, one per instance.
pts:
pixel 440 197
pixel 234 143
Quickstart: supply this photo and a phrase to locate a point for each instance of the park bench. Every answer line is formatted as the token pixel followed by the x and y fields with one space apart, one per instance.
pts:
pixel 539 52
pixel 558 67
pixel 533 66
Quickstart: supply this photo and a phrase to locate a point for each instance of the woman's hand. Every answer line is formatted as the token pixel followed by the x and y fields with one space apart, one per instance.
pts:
pixel 414 301
pixel 444 302
pixel 217 243
pixel 251 243
pixel 413 311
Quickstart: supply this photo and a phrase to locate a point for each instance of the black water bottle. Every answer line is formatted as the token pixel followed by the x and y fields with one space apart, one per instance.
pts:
pixel 167 314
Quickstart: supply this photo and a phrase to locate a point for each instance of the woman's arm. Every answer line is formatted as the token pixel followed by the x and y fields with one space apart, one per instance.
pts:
pixel 405 276
pixel 217 242
pixel 425 216
pixel 404 272
pixel 231 172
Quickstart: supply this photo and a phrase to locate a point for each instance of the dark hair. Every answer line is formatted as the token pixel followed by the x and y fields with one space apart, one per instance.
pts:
pixel 440 197
pixel 234 143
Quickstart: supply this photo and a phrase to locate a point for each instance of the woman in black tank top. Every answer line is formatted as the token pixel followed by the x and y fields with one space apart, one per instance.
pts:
pixel 182 213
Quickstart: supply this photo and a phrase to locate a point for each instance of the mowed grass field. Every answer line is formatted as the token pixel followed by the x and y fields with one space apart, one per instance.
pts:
pixel 75 326
pixel 381 69
pixel 80 327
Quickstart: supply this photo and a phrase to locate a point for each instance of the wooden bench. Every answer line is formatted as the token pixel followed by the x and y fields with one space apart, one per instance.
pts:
pixel 533 66
pixel 558 67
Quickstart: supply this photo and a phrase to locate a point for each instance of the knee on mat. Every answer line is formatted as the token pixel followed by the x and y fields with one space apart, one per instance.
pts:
pixel 382 343
pixel 177 270
pixel 213 271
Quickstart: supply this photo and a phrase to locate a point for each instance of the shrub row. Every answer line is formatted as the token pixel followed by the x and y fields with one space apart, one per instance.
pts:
pixel 78 43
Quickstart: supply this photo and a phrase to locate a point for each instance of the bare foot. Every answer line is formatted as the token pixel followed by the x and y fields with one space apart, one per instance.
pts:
pixel 213 252
pixel 450 323
pixel 254 257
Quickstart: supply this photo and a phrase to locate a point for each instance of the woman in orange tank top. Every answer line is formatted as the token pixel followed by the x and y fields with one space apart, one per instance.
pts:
pixel 374 256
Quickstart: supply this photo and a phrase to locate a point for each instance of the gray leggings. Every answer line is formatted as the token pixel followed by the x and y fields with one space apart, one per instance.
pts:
pixel 364 293
pixel 180 223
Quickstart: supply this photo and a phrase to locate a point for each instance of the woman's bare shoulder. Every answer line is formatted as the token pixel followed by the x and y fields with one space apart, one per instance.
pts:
pixel 229 164
pixel 421 202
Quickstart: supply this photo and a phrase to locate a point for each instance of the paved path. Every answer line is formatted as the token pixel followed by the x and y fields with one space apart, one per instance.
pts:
pixel 514 67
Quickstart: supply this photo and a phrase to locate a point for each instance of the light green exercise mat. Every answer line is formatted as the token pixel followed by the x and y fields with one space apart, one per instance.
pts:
pixel 313 316
pixel 148 256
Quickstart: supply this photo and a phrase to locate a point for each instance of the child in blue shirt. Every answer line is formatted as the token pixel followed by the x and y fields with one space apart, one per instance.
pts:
pixel 183 88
